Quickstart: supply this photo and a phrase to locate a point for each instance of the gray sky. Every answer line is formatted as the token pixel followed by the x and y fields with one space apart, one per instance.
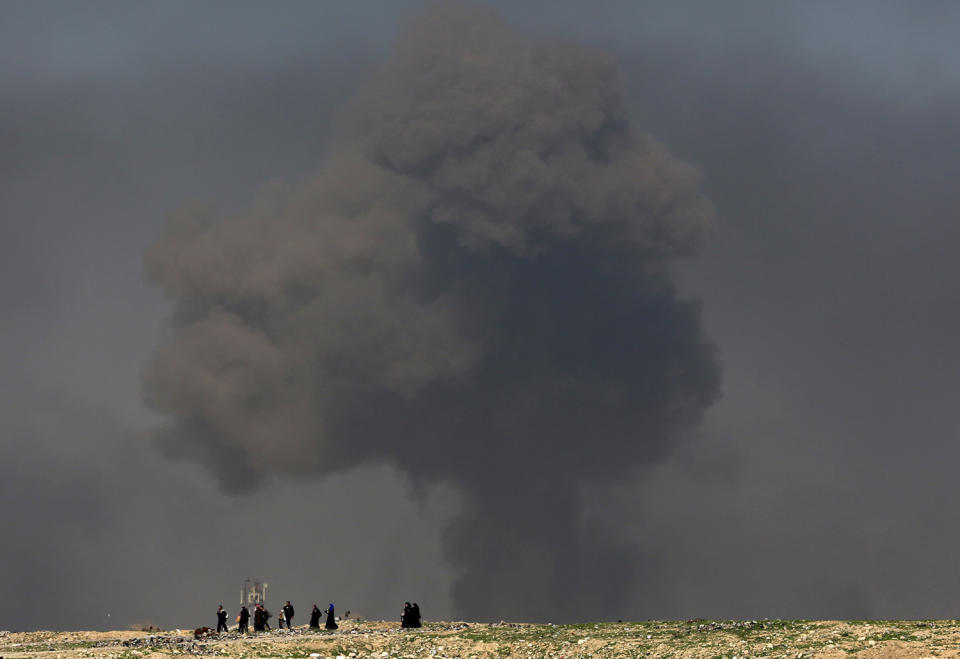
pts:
pixel 817 485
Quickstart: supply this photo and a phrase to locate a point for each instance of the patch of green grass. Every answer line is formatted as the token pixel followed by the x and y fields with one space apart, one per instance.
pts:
pixel 893 636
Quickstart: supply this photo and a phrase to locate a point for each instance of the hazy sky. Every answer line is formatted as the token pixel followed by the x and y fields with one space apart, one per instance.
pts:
pixel 819 483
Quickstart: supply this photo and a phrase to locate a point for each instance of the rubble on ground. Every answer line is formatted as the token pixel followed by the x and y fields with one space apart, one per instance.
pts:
pixel 446 640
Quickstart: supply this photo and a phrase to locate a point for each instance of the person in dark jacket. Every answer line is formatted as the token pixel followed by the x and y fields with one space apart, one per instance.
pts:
pixel 266 619
pixel 315 617
pixel 288 613
pixel 331 622
pixel 221 619
pixel 258 618
pixel 244 619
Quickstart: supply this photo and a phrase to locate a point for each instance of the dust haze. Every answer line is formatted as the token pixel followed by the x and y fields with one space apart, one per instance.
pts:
pixel 820 484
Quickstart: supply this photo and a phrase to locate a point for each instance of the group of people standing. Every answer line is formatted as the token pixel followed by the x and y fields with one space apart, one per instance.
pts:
pixel 261 618
pixel 411 615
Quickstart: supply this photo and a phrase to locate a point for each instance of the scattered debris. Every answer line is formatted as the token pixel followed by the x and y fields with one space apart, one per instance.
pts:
pixel 442 640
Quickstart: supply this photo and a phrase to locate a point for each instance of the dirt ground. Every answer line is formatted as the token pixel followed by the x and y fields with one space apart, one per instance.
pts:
pixel 436 640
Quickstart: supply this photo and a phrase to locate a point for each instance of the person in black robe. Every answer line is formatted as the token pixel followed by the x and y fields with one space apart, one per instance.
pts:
pixel 258 618
pixel 315 617
pixel 331 623
pixel 221 620
pixel 415 615
pixel 288 613
pixel 266 619
pixel 405 616
pixel 243 621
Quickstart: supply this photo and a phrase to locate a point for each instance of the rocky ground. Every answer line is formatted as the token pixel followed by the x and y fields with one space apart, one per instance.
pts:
pixel 385 640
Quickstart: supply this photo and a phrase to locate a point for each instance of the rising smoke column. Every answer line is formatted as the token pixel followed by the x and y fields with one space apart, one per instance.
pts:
pixel 474 287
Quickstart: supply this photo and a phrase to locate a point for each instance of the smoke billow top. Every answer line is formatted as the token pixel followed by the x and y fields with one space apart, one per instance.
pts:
pixel 474 287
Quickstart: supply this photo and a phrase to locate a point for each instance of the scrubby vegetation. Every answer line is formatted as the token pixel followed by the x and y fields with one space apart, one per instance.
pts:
pixel 437 640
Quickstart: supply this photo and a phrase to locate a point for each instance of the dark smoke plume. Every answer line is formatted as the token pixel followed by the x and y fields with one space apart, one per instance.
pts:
pixel 474 287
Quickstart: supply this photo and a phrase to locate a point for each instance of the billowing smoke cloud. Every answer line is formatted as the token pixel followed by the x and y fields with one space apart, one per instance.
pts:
pixel 475 288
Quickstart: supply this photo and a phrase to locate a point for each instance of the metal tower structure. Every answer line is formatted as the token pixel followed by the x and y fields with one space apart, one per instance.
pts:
pixel 253 592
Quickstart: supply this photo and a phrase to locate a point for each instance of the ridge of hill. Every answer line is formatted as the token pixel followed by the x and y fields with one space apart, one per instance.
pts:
pixel 439 640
